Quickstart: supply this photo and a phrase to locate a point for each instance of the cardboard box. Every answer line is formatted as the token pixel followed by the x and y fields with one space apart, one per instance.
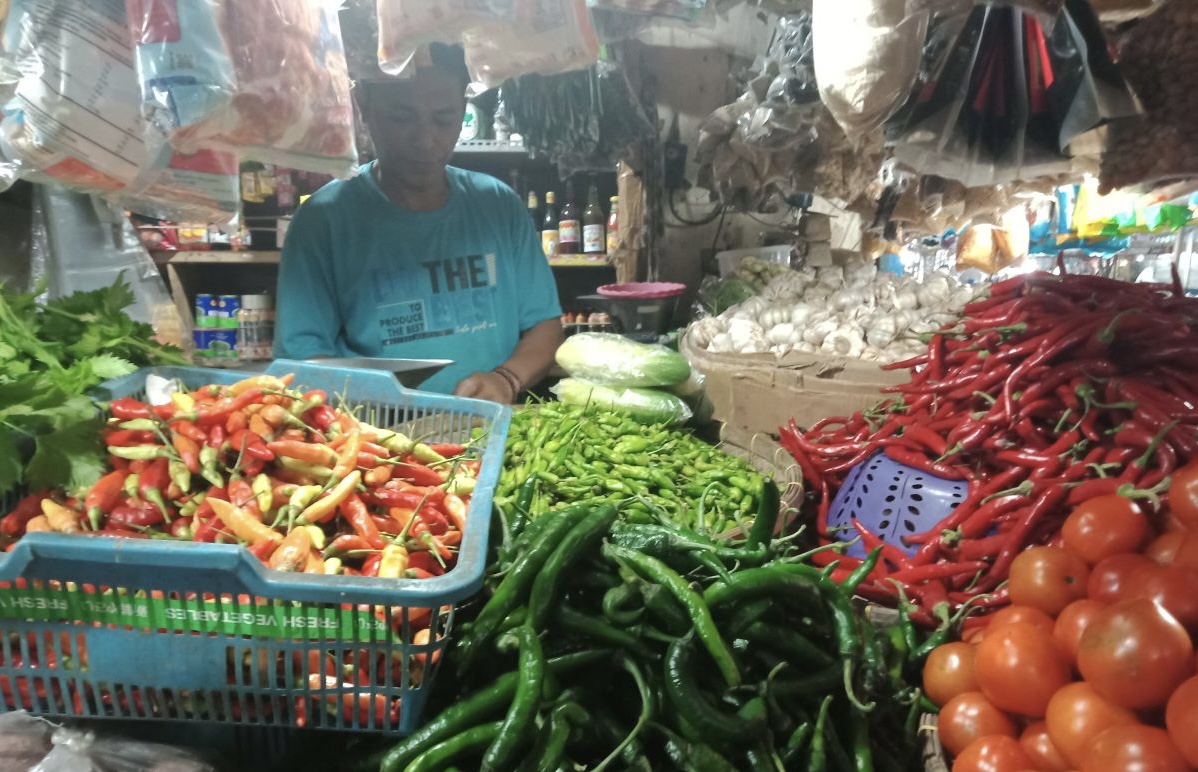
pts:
pixel 761 393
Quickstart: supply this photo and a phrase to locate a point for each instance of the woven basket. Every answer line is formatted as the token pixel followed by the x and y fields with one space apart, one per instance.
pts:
pixel 772 460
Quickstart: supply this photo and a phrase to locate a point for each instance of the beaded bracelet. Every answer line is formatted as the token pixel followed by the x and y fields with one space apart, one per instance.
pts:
pixel 512 380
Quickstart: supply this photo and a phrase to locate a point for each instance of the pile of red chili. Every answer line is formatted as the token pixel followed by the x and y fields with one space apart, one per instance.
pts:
pixel 304 486
pixel 1052 390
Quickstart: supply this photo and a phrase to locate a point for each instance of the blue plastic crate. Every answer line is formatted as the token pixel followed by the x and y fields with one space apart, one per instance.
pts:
pixel 205 632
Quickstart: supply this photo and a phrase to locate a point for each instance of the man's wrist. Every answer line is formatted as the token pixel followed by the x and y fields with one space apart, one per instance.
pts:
pixel 512 380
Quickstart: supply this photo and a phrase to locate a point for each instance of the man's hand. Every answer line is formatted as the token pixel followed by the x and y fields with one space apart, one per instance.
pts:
pixel 490 386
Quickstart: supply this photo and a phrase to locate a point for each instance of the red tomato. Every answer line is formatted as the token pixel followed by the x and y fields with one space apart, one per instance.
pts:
pixel 1163 548
pixel 1019 668
pixel 1104 526
pixel 1183 496
pixel 1076 715
pixel 1039 747
pixel 969 717
pixel 1048 578
pixel 1109 579
pixel 1181 718
pixel 993 754
pixel 1187 552
pixel 1134 747
pixel 1134 654
pixel 1071 622
pixel 1016 613
pixel 949 671
pixel 1173 587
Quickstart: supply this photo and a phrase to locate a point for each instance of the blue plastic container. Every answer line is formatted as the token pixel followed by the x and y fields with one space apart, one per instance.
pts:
pixel 138 629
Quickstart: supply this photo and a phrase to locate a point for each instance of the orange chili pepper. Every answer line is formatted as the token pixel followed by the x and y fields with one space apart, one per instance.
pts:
pixel 310 452
pixel 456 509
pixel 259 426
pixel 347 457
pixel 243 524
pixel 188 450
pixel 324 508
pixel 293 551
pixel 60 518
pixel 236 421
pixel 377 476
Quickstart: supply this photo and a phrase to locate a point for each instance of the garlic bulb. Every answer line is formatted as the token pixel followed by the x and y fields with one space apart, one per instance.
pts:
pixel 799 314
pixel 881 331
pixel 844 342
pixel 816 333
pixel 721 344
pixel 705 329
pixel 781 333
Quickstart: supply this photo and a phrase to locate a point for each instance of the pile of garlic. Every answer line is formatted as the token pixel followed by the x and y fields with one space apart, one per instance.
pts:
pixel 854 312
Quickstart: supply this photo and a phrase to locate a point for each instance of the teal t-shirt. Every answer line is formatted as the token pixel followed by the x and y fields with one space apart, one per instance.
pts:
pixel 361 276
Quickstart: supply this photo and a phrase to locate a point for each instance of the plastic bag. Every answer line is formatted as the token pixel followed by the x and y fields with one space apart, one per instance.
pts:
pixel 867 55
pixel 687 10
pixel 613 360
pixel 1157 58
pixel 24 741
pixel 75 119
pixel 546 37
pixel 268 79
pixel 503 38
pixel 62 220
pixel 645 405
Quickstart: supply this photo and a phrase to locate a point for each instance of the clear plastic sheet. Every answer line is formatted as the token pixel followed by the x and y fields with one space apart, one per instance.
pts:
pixel 1003 96
pixel 687 10
pixel 503 39
pixel 266 79
pixel 75 119
pixel 62 220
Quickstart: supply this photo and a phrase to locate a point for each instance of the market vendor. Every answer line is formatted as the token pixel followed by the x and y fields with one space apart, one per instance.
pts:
pixel 416 259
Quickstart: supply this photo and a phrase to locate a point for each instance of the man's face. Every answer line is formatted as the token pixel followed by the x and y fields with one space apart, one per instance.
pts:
pixel 415 124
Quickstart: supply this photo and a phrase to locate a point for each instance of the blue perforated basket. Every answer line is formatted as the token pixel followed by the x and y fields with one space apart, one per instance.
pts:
pixel 893 500
pixel 205 632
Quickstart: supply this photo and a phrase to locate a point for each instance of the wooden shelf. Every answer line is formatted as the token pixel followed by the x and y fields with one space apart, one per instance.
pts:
pixel 197 257
pixel 490 147
pixel 567 262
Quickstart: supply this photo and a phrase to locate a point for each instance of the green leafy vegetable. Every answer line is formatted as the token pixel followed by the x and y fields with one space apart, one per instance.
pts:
pixel 50 357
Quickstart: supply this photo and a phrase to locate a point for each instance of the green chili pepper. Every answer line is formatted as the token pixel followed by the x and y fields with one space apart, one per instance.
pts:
pixel 791 643
pixel 767 580
pixel 692 703
pixel 520 516
pixel 519 719
pixel 140 452
pixel 545 589
pixel 470 741
pixel 478 706
pixel 519 578
pixel 140 425
pixel 695 756
pixel 584 626
pixel 550 748
pixel 179 475
pixel 615 601
pixel 817 760
pixel 767 516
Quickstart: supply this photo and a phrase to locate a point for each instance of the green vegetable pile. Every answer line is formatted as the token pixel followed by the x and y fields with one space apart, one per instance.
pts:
pixel 559 455
pixel 50 356
pixel 602 644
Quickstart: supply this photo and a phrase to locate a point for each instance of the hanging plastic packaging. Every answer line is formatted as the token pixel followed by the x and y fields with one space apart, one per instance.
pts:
pixel 266 79
pixel 866 58
pixel 688 10
pixel 546 37
pixel 503 38
pixel 75 119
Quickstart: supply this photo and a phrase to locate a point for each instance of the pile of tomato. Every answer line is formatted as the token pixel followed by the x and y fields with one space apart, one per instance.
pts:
pixel 1092 666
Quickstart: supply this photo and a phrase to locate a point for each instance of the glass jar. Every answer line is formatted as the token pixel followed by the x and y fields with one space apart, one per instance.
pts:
pixel 256 327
